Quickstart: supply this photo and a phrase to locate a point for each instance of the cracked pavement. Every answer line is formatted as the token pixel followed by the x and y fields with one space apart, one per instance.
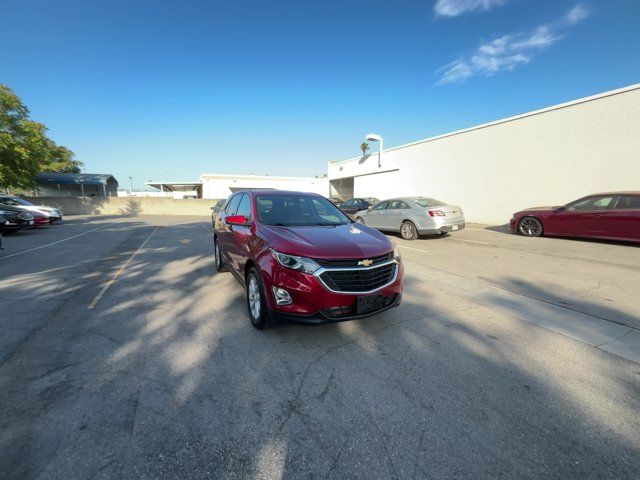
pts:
pixel 165 377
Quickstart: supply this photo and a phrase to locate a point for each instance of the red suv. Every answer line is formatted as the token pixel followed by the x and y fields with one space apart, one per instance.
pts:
pixel 301 259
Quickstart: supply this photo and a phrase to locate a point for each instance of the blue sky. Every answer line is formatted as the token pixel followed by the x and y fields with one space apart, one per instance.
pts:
pixel 168 90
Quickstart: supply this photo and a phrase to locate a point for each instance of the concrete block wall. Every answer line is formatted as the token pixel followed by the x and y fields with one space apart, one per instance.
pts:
pixel 548 157
pixel 126 206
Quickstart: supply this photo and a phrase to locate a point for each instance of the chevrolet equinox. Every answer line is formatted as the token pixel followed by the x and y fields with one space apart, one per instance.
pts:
pixel 301 259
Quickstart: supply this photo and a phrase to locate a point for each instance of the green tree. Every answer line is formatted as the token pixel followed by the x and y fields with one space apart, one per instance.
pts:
pixel 25 148
pixel 364 146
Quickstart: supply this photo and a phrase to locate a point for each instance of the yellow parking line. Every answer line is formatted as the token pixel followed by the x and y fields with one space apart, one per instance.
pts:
pixel 104 289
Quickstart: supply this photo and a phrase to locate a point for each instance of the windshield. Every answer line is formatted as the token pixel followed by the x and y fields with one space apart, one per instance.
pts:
pixel 14 201
pixel 298 210
pixel 428 202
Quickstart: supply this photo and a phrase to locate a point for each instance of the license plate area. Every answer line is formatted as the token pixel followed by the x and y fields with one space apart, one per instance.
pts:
pixel 369 303
pixel 454 227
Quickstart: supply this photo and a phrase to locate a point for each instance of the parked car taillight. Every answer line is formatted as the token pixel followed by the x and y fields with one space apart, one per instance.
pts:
pixel 435 213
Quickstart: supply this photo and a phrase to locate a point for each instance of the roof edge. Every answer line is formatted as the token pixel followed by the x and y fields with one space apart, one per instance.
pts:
pixel 598 96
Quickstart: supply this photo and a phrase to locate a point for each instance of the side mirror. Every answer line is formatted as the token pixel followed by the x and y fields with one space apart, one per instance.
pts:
pixel 237 220
pixel 370 207
pixel 560 209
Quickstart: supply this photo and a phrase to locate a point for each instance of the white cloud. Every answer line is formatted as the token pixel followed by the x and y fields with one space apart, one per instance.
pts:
pixel 576 14
pixel 510 51
pixel 453 8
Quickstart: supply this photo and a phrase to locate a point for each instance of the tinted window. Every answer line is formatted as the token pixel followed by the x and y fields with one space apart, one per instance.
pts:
pixel 298 210
pixel 350 203
pixel 428 202
pixel 591 203
pixel 628 202
pixel 381 206
pixel 232 205
pixel 245 206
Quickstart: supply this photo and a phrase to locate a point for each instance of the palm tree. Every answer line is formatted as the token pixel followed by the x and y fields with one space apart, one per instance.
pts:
pixel 364 146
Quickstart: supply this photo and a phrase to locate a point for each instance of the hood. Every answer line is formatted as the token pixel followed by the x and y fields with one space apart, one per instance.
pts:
pixel 39 208
pixel 539 209
pixel 342 241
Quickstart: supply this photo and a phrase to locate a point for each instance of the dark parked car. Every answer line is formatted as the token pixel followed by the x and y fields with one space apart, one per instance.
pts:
pixel 609 216
pixel 301 259
pixel 16 219
pixel 354 205
pixel 338 202
pixel 215 210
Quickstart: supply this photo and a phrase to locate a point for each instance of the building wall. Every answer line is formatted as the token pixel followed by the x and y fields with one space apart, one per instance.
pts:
pixel 221 186
pixel 126 206
pixel 548 157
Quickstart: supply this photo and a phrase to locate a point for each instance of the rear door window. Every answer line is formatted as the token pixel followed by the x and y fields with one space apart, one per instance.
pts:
pixel 397 205
pixel 592 203
pixel 628 202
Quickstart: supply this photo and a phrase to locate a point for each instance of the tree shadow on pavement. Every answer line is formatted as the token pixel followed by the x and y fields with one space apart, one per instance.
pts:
pixel 166 378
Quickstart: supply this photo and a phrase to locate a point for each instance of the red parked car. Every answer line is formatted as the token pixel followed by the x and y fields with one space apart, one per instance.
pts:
pixel 301 259
pixel 608 216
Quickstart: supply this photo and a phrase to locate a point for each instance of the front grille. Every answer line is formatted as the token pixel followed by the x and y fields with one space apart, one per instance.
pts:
pixel 359 280
pixel 353 262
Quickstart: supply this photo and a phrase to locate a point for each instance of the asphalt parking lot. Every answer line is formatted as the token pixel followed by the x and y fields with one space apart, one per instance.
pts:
pixel 124 355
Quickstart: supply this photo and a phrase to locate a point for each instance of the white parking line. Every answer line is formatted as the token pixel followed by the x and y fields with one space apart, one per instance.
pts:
pixel 472 241
pixel 106 286
pixel 55 243
pixel 411 248
pixel 206 228
pixel 485 230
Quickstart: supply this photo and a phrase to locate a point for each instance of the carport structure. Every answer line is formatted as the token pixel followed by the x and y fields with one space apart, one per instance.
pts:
pixel 76 185
pixel 179 189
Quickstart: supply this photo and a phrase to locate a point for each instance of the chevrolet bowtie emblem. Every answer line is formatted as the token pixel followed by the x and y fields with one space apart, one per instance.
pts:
pixel 365 263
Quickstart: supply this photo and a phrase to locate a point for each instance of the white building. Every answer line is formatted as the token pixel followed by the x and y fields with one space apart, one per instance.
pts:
pixel 545 157
pixel 221 186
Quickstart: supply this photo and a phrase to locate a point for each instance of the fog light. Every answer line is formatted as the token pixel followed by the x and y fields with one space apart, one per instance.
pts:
pixel 282 296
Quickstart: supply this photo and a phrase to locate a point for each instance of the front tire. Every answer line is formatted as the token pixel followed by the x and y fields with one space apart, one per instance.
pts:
pixel 530 227
pixel 217 255
pixel 408 230
pixel 256 301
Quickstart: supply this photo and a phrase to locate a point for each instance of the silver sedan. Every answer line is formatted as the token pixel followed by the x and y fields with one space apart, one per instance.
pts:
pixel 413 216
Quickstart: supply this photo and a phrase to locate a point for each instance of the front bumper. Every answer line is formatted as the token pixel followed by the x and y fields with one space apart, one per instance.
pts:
pixel 314 303
pixel 328 316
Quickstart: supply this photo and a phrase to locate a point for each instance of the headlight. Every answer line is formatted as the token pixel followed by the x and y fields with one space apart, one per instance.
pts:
pixel 301 264
pixel 25 216
pixel 396 253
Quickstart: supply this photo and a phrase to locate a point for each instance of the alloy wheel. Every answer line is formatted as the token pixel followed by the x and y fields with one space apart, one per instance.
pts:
pixel 217 253
pixel 254 298
pixel 407 230
pixel 530 227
